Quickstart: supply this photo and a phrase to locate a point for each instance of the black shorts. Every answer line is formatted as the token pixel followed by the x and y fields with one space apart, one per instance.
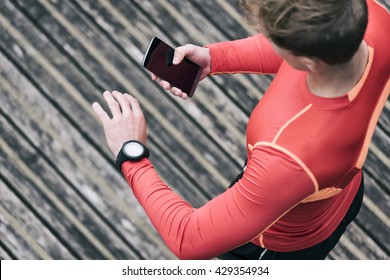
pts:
pixel 320 251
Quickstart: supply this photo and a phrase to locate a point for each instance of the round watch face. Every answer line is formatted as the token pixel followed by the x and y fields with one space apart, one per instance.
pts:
pixel 133 149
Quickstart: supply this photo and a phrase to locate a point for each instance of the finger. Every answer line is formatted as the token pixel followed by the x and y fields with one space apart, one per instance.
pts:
pixel 123 102
pixel 176 91
pixel 102 115
pixel 135 107
pixel 112 104
pixel 165 85
pixel 154 77
pixel 183 95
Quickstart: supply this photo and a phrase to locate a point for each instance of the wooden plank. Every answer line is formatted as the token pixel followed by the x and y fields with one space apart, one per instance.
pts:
pixel 219 14
pixel 384 120
pixel 378 160
pixel 31 238
pixel 374 216
pixel 354 245
pixel 18 240
pixel 385 3
pixel 47 195
pixel 45 136
pixel 368 236
pixel 4 255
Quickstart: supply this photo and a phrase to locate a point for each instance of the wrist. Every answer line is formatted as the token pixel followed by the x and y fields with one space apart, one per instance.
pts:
pixel 133 151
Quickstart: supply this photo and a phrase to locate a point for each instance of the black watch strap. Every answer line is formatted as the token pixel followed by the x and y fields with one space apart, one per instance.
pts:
pixel 122 157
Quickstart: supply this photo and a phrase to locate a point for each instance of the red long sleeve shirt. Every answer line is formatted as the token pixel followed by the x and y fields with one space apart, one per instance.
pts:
pixel 305 155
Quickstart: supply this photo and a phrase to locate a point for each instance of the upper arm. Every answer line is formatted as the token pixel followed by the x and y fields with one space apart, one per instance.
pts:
pixel 250 55
pixel 271 185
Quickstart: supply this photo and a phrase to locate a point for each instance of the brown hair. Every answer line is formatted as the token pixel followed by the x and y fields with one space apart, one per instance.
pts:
pixel 330 30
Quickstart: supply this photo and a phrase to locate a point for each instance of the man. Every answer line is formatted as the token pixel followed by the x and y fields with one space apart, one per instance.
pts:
pixel 307 139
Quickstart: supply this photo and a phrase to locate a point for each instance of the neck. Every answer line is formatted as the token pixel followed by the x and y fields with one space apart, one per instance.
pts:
pixel 334 81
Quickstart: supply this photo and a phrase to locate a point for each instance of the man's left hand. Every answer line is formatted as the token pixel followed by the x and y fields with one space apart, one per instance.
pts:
pixel 127 122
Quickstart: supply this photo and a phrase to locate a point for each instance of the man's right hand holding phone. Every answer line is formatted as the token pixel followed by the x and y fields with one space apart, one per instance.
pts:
pixel 198 55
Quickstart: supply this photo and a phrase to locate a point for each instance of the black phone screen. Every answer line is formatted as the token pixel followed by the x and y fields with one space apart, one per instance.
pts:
pixel 158 60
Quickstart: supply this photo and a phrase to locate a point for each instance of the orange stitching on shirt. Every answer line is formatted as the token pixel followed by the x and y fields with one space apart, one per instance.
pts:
pixel 290 121
pixel 295 158
pixel 260 237
pixel 383 6
pixel 372 125
pixel 356 89
pixel 322 194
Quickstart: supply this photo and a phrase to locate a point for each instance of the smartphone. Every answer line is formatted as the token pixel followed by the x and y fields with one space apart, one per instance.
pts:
pixel 158 60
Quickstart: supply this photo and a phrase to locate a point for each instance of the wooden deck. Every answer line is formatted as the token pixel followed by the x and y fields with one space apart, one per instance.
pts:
pixel 61 195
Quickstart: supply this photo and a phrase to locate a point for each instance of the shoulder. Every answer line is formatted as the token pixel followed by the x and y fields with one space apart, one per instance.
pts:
pixel 378 32
pixel 378 19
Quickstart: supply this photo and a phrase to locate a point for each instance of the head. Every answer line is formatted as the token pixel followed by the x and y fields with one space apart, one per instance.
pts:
pixel 328 30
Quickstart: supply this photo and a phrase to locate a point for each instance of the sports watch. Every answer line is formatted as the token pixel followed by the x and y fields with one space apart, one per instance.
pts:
pixel 131 151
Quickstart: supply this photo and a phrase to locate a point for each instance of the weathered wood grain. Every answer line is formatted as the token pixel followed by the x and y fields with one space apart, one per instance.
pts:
pixel 368 236
pixel 73 169
pixel 47 194
pixel 354 245
pixel 17 217
pixel 61 194
pixel 378 162
pixel 4 253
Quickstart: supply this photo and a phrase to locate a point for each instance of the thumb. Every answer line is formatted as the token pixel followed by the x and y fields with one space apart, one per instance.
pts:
pixel 179 55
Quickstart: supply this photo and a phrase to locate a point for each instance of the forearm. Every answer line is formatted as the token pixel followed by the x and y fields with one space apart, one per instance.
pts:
pixel 189 233
pixel 212 229
pixel 165 209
